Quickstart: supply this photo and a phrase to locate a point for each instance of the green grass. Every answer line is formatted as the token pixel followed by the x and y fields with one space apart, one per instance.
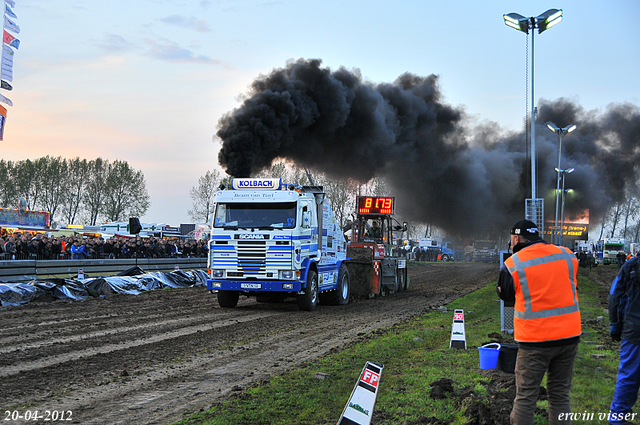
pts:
pixel 416 353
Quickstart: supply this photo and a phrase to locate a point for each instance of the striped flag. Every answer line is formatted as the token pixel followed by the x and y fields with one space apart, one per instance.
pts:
pixel 7 54
pixel 6 73
pixel 6 100
pixel 10 3
pixel 8 11
pixel 10 25
pixel 10 40
pixel 3 118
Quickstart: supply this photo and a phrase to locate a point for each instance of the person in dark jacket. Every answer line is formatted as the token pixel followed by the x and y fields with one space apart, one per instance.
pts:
pixel 624 315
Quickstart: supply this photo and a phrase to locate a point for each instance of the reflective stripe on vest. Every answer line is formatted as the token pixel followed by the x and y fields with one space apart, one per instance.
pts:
pixel 520 266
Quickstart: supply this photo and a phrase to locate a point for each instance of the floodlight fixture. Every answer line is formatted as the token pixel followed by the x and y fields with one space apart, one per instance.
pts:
pixel 548 19
pixel 517 21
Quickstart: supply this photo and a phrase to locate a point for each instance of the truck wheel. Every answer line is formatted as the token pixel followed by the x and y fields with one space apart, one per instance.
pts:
pixel 339 296
pixel 308 300
pixel 228 298
pixel 445 258
pixel 344 286
pixel 400 278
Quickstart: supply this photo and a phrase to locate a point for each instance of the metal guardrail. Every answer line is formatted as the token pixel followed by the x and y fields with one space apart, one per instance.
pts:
pixel 27 270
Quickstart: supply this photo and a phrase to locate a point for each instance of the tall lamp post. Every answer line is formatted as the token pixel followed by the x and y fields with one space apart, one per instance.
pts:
pixel 521 23
pixel 563 172
pixel 564 192
pixel 560 132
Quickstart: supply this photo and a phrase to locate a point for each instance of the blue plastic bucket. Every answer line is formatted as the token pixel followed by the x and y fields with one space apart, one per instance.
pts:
pixel 489 355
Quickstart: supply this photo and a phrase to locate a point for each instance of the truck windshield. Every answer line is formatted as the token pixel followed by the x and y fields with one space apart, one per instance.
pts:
pixel 613 247
pixel 277 215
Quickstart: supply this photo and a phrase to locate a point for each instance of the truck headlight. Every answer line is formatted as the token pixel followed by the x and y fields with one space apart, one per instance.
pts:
pixel 217 273
pixel 216 285
pixel 286 274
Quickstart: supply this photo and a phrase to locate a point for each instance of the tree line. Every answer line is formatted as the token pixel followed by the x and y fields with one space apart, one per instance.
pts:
pixel 342 193
pixel 622 219
pixel 75 190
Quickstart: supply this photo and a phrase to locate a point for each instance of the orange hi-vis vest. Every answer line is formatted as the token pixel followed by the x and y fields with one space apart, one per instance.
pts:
pixel 546 307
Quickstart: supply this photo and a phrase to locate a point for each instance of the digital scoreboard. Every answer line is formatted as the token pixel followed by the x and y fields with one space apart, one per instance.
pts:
pixel 376 205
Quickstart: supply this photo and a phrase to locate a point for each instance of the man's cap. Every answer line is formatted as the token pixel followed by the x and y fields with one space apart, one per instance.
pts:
pixel 527 229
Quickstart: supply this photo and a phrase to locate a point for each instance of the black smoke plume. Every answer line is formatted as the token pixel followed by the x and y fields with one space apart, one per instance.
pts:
pixel 467 181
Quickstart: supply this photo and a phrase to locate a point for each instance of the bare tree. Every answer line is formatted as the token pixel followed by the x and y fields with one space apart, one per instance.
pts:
pixel 27 181
pixel 8 192
pixel 125 194
pixel 95 188
pixel 341 196
pixel 53 173
pixel 203 196
pixel 77 179
pixel 631 210
pixel 616 214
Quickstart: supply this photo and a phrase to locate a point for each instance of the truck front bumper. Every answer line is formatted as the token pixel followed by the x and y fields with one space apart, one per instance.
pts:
pixel 254 285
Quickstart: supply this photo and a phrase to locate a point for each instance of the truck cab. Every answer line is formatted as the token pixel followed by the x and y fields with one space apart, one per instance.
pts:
pixel 273 240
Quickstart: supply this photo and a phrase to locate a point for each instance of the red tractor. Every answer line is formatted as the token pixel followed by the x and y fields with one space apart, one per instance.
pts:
pixel 374 269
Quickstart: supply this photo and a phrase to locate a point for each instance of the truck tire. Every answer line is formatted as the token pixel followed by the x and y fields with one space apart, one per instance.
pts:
pixel 445 257
pixel 339 296
pixel 403 282
pixel 308 300
pixel 400 279
pixel 228 299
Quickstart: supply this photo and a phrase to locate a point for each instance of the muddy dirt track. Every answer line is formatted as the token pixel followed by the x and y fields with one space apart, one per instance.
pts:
pixel 156 357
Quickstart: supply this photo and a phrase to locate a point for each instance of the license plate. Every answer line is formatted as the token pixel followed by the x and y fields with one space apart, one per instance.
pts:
pixel 250 285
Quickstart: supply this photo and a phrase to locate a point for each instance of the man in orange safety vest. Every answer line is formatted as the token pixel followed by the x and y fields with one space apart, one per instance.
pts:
pixel 539 279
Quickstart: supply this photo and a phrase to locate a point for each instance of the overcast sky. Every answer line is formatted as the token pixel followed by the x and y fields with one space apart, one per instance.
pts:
pixel 146 81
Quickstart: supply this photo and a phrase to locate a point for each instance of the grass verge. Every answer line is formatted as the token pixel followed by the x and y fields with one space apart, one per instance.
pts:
pixel 415 354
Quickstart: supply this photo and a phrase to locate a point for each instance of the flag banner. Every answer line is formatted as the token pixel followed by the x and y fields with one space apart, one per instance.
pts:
pixel 6 100
pixel 3 119
pixel 6 74
pixel 10 40
pixel 8 11
pixel 5 85
pixel 10 25
pixel 7 54
pixel 10 3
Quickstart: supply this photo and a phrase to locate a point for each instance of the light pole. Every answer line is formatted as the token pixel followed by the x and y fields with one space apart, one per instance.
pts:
pixel 563 172
pixel 560 132
pixel 543 22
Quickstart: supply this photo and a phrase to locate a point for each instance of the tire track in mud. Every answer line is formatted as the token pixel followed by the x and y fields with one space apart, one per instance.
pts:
pixel 162 356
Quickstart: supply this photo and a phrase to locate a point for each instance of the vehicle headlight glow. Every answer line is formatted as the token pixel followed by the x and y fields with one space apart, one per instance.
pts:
pixel 217 273
pixel 286 274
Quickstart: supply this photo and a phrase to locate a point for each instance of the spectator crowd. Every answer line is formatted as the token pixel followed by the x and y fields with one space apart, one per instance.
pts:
pixel 24 246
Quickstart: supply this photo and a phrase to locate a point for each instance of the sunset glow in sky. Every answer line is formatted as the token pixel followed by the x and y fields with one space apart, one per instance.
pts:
pixel 147 81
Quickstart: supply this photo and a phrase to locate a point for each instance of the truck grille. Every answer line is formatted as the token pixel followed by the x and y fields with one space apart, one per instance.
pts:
pixel 252 257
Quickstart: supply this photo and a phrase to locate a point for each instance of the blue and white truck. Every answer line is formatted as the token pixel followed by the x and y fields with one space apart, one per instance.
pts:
pixel 273 240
